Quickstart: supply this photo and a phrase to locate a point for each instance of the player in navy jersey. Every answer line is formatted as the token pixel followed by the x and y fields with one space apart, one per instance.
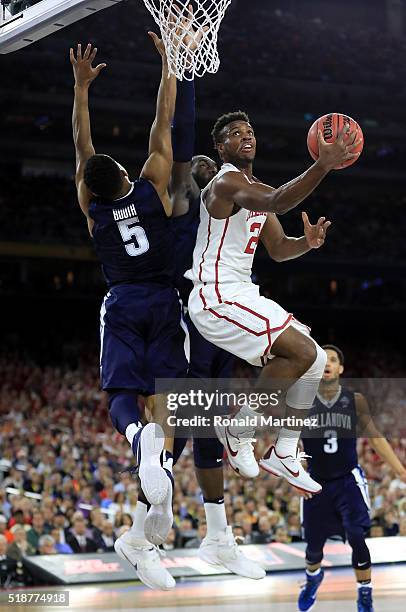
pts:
pixel 342 507
pixel 141 334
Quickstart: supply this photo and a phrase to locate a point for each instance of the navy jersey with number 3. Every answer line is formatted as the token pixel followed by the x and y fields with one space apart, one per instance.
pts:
pixel 332 443
pixel 133 237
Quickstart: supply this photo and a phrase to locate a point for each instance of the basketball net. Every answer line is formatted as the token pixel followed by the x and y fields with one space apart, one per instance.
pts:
pixel 189 32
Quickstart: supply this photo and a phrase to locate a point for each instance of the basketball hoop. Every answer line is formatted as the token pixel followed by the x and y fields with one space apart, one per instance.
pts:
pixel 189 31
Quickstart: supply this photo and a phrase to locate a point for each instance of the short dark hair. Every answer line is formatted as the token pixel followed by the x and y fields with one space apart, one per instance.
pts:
pixel 225 120
pixel 103 176
pixel 339 352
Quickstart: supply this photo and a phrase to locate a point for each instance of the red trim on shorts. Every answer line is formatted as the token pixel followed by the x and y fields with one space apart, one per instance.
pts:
pixel 216 267
pixel 219 316
pixel 205 250
pixel 267 331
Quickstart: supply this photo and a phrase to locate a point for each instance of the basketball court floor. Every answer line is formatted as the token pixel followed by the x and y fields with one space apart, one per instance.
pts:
pixel 276 593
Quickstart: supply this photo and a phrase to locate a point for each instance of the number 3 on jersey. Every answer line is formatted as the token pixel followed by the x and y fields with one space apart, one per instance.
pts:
pixel 134 237
pixel 331 445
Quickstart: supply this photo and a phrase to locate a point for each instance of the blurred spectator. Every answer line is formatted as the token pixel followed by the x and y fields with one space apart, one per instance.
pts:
pixel 61 547
pixel 402 526
pixel 36 531
pixel 264 533
pixel 376 530
pixel 281 535
pixel 46 545
pixel 3 529
pixel 78 538
pixel 201 534
pixel 171 541
pixel 7 564
pixel 20 547
pixel 107 537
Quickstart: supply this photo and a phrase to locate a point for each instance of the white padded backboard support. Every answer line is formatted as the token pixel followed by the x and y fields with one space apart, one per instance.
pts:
pixel 44 18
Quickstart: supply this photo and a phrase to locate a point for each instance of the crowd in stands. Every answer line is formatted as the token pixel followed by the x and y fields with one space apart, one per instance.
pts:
pixel 363 229
pixel 64 488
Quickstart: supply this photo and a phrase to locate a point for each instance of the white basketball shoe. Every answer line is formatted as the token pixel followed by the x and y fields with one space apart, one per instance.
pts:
pixel 145 559
pixel 147 450
pixel 224 550
pixel 239 444
pixel 291 468
pixel 159 519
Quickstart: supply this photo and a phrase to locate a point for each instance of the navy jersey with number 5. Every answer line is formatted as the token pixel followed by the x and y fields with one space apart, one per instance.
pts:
pixel 133 237
pixel 142 335
pixel 332 442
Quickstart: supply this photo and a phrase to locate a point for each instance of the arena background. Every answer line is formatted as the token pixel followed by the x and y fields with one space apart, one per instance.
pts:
pixel 285 63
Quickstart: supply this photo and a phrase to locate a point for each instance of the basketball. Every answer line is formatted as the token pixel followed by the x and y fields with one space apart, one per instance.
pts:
pixel 330 126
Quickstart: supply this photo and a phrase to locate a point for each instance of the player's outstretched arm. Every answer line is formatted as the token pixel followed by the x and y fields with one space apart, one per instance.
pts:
pixel 157 169
pixel 282 248
pixel 84 74
pixel 380 445
pixel 183 186
pixel 233 188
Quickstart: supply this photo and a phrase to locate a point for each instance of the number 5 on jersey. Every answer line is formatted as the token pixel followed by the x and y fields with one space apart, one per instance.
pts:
pixel 134 237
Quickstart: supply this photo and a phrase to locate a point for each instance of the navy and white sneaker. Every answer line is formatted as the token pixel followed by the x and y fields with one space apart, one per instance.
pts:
pixel 159 520
pixel 147 447
pixel 365 603
pixel 307 597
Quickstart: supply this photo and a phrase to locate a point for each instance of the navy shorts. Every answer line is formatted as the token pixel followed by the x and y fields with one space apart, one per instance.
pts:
pixel 342 505
pixel 207 361
pixel 142 336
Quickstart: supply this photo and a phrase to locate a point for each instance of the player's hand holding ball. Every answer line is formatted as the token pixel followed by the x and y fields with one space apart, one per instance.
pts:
pixel 336 141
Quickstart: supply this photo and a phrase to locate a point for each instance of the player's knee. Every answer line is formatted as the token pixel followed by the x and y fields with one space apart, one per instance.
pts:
pixel 208 453
pixel 306 355
pixel 318 364
pixel 313 557
pixel 301 394
pixel 361 557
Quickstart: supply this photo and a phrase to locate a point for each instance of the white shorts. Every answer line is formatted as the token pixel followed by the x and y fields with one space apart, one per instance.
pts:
pixel 244 323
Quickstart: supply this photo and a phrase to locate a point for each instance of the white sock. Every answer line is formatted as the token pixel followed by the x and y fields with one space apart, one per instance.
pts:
pixel 361 586
pixel 140 514
pixel 287 442
pixel 216 519
pixel 315 573
pixel 130 432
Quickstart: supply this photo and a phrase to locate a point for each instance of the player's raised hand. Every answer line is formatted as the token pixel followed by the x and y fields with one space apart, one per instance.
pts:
pixel 159 45
pixel 335 153
pixel 315 234
pixel 83 70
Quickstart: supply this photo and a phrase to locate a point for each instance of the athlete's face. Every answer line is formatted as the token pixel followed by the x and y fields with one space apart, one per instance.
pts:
pixel 239 144
pixel 333 369
pixel 203 170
